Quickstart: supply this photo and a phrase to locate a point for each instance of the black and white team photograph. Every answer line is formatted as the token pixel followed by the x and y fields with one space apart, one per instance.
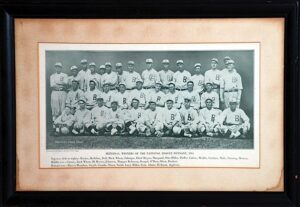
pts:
pixel 149 99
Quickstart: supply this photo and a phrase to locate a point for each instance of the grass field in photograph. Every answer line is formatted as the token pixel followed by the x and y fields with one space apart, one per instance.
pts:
pixel 134 142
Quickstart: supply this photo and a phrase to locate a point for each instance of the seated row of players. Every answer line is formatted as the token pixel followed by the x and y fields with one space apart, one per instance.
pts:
pixel 124 97
pixel 226 83
pixel 154 121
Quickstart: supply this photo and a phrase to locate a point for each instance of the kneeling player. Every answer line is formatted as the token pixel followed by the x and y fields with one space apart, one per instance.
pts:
pixel 234 121
pixel 152 121
pixel 115 119
pixel 171 119
pixel 64 122
pixel 134 117
pixel 82 116
pixel 98 118
pixel 189 118
pixel 209 119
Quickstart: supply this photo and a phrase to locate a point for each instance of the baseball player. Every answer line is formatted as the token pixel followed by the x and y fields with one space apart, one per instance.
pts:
pixel 150 75
pixel 234 121
pixel 101 75
pixel 93 76
pixel 181 77
pixel 122 75
pixel 74 75
pixel 211 95
pixel 209 119
pixel 74 95
pixel 175 96
pixel 132 76
pixel 133 119
pixel 122 97
pixel 157 95
pixel 166 75
pixel 82 116
pixel 83 73
pixel 139 93
pixel 58 84
pixel 225 60
pixel 115 119
pixel 107 95
pixel 214 75
pixel 171 119
pixel 110 76
pixel 189 118
pixel 231 85
pixel 98 120
pixel 64 122
pixel 198 79
pixel 91 95
pixel 192 94
pixel 152 121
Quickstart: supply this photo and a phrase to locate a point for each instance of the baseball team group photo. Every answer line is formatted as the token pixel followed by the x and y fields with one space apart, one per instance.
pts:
pixel 149 99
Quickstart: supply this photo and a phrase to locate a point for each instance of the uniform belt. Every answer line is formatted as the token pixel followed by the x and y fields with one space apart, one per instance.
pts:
pixel 181 89
pixel 232 90
pixel 129 89
pixel 148 87
pixel 231 124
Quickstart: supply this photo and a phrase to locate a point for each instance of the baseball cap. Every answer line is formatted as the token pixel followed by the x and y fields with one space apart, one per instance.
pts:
pixel 215 60
pixel 119 65
pixel 197 65
pixel 83 61
pixel 208 83
pixel 171 83
pixel 102 67
pixel 179 61
pixel 227 58
pixel 169 99
pixel 158 82
pixel 230 62
pixel 92 64
pixel 82 100
pixel 74 67
pixel 165 61
pixel 149 60
pixel 122 83
pixel 208 99
pixel 93 80
pixel 139 80
pixel 190 82
pixel 108 64
pixel 135 99
pixel 58 64
pixel 130 62
pixel 75 80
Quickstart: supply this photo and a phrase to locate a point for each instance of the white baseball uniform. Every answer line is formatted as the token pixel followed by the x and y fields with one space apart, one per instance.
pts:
pixel 213 76
pixel 58 83
pixel 211 95
pixel 81 117
pixel 65 119
pixel 140 95
pixel 231 84
pixel 176 97
pixel 189 119
pixel 107 97
pixel 98 117
pixel 73 97
pixel 83 75
pixel 131 78
pixel 158 97
pixel 193 96
pixel 91 98
pixel 123 99
pixel 153 118
pixel 116 117
pixel 71 78
pixel 181 79
pixel 198 80
pixel 111 78
pixel 166 77
pixel 234 120
pixel 94 76
pixel 209 119
pixel 150 77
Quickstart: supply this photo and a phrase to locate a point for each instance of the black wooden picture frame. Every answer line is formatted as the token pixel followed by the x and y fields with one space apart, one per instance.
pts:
pixel 289 9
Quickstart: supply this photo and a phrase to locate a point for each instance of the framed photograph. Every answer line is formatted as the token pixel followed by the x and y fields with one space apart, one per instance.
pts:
pixel 132 105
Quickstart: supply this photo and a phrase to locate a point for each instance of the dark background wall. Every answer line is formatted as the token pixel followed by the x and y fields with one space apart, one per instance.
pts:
pixel 244 62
